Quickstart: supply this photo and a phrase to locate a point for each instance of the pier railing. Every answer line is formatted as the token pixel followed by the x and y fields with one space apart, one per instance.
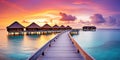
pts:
pixel 43 48
pixel 80 50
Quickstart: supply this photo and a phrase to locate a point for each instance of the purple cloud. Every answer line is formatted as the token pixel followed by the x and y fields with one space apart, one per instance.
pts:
pixel 97 19
pixel 111 21
pixel 118 22
pixel 66 17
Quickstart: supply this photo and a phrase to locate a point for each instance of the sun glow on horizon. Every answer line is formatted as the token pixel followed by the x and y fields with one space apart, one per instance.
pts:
pixel 84 18
pixel 51 18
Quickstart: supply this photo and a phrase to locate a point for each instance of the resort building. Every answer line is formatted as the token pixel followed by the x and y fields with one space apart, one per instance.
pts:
pixel 55 27
pixel 62 27
pixel 89 28
pixel 15 27
pixel 46 27
pixel 68 28
pixel 33 27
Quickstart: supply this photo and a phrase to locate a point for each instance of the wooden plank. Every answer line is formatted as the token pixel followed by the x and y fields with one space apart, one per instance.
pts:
pixel 62 49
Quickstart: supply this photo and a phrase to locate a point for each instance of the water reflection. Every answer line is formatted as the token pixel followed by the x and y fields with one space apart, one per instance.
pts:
pixel 14 41
pixel 14 37
pixel 74 33
pixel 33 36
pixel 15 45
pixel 20 47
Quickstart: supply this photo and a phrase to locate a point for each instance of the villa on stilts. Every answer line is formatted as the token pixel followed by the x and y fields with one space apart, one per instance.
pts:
pixel 55 28
pixel 62 27
pixel 46 28
pixel 68 28
pixel 89 28
pixel 15 28
pixel 33 28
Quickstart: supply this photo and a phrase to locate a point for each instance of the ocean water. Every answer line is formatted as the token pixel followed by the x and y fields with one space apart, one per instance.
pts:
pixel 100 44
pixel 20 47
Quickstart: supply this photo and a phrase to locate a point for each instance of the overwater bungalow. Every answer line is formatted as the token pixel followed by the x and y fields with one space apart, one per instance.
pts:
pixel 46 27
pixel 33 27
pixel 68 28
pixel 89 28
pixel 15 27
pixel 62 27
pixel 55 27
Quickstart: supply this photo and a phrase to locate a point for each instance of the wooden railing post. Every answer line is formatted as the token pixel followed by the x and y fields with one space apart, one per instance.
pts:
pixel 80 50
pixel 43 53
pixel 50 44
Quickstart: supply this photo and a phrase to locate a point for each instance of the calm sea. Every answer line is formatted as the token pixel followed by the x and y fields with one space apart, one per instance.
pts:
pixel 101 44
pixel 20 47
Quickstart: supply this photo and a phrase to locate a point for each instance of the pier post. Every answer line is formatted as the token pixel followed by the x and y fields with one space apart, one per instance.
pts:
pixel 43 53
pixel 50 45
pixel 78 51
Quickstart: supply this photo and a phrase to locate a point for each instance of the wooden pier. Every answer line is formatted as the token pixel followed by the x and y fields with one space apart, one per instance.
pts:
pixel 61 47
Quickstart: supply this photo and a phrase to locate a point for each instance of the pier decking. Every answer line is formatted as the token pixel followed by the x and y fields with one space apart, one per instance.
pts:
pixel 62 47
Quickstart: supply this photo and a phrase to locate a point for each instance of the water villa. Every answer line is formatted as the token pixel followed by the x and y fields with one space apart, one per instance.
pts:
pixel 15 28
pixel 33 27
pixel 46 27
pixel 89 28
pixel 68 28
pixel 62 27
pixel 55 27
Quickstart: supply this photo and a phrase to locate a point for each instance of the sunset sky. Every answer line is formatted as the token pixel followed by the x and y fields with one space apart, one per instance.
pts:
pixel 76 13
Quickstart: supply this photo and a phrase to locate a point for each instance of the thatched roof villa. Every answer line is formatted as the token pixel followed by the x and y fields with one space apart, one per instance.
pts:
pixel 33 27
pixel 55 27
pixel 89 28
pixel 15 27
pixel 68 27
pixel 62 27
pixel 46 27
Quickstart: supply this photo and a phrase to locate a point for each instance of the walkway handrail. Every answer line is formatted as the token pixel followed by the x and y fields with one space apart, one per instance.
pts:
pixel 43 48
pixel 79 49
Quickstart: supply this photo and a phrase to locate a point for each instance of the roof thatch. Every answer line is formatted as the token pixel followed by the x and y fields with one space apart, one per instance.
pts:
pixel 68 27
pixel 33 25
pixel 62 26
pixel 55 26
pixel 46 26
pixel 15 25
